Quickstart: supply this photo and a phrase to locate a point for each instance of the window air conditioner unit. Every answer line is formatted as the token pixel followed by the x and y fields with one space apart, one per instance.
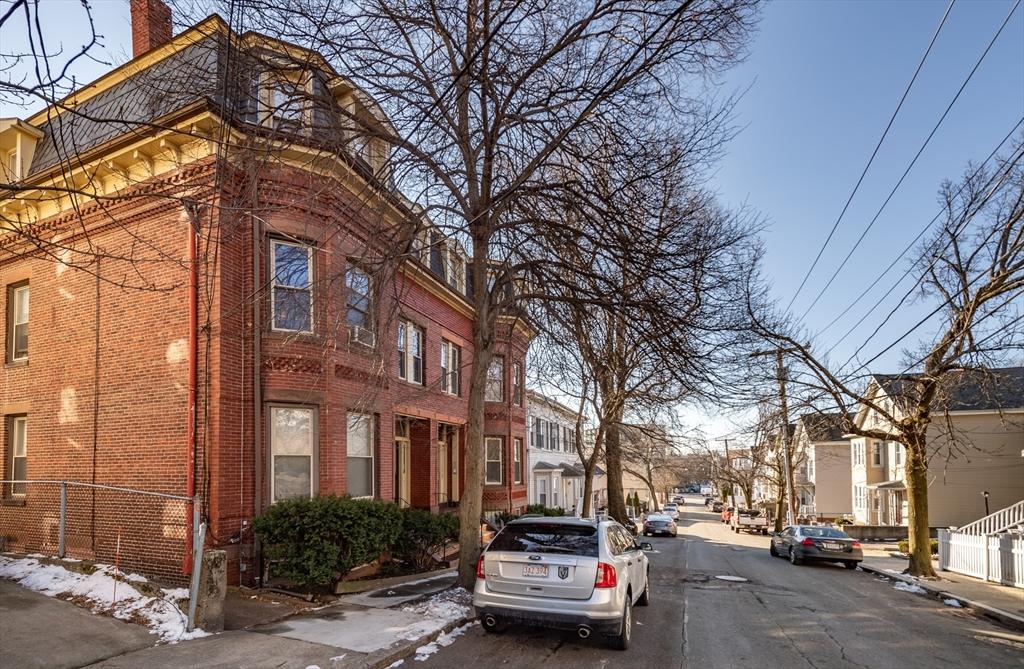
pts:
pixel 362 335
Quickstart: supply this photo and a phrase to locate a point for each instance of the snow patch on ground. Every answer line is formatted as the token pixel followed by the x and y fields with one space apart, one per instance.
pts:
pixel 909 587
pixel 955 603
pixel 728 577
pixel 448 605
pixel 396 663
pixel 101 592
pixel 445 639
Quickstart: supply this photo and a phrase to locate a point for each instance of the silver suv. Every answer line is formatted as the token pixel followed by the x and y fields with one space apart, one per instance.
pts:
pixel 565 573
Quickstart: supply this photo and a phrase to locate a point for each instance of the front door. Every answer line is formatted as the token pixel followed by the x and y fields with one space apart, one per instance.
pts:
pixel 404 481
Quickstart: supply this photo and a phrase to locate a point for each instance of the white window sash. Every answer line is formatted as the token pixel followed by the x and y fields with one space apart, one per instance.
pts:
pixel 488 442
pixel 275 284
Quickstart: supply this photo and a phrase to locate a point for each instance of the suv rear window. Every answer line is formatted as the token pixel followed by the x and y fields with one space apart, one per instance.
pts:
pixel 546 538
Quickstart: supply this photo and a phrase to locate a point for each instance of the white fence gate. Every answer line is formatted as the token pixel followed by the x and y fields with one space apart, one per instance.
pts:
pixel 994 557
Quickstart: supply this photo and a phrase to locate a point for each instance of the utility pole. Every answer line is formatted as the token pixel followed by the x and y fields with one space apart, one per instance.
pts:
pixel 728 469
pixel 780 373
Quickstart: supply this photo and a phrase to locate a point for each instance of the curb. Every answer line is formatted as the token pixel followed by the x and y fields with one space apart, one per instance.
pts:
pixel 404 652
pixel 981 610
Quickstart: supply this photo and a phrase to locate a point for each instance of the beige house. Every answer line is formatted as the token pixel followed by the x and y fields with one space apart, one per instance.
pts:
pixel 975 446
pixel 823 471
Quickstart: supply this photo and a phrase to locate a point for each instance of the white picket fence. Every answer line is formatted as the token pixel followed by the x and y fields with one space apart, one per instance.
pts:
pixel 996 557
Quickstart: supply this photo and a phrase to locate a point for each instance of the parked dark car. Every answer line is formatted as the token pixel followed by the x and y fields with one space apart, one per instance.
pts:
pixel 717 506
pixel 802 543
pixel 660 524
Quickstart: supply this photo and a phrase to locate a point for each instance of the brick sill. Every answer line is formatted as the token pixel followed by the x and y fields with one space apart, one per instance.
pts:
pixel 10 501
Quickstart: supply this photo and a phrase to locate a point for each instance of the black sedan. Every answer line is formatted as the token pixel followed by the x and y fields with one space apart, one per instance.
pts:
pixel 802 543
pixel 659 524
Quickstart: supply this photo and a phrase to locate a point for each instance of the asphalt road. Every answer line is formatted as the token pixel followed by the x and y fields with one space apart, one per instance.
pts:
pixel 817 616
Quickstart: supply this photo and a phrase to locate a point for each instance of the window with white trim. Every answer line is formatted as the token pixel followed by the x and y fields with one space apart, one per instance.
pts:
pixel 18 461
pixel 494 460
pixel 517 384
pixel 291 297
pixel 451 366
pixel 858 453
pixel 17 322
pixel 860 497
pixel 494 389
pixel 517 460
pixel 877 453
pixel 897 455
pixel 359 451
pixel 410 352
pixel 292 431
pixel 358 305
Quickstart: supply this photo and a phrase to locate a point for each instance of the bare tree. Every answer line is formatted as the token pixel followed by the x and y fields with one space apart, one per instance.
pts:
pixel 973 266
pixel 482 96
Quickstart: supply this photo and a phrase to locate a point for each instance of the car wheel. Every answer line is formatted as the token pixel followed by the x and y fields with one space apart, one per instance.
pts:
pixel 645 596
pixel 621 640
pixel 771 550
pixel 764 532
pixel 850 564
pixel 793 559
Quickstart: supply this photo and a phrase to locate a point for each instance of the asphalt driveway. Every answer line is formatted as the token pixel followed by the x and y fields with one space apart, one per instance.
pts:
pixel 40 632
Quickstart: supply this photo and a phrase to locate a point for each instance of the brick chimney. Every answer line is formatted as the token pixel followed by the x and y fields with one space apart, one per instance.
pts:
pixel 151 25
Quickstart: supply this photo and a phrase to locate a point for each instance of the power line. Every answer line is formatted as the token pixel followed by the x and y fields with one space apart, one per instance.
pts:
pixel 911 245
pixel 914 161
pixel 1010 165
pixel 881 139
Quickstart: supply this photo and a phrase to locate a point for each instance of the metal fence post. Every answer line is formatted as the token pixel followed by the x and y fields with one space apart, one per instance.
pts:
pixel 62 523
pixel 198 539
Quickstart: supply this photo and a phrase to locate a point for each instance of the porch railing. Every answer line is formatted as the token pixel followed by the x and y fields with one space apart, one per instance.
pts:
pixel 1002 520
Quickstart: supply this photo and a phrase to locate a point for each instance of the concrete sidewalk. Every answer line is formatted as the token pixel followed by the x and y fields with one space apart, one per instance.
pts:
pixel 999 602
pixel 367 631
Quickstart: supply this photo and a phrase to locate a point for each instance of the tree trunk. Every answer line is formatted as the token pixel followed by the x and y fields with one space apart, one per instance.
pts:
pixel 780 511
pixel 613 463
pixel 471 504
pixel 917 502
pixel 588 490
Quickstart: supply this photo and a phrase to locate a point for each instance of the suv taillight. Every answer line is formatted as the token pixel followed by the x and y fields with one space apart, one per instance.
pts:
pixel 606 576
pixel 807 542
pixel 480 568
pixel 856 544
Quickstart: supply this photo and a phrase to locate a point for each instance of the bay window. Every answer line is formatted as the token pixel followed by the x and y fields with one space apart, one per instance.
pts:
pixel 291 297
pixel 494 460
pixel 410 352
pixel 292 433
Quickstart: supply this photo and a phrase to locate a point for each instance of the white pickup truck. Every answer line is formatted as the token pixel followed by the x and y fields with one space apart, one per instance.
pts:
pixel 751 520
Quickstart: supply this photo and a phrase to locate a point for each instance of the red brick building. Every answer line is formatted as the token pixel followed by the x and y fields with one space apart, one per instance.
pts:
pixel 318 358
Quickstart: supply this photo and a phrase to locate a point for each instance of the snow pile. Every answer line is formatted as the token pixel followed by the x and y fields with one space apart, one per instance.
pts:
pixel 445 639
pixel 909 587
pixel 448 605
pixel 955 603
pixel 104 591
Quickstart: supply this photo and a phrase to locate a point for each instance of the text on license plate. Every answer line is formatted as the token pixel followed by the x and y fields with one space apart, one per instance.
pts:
pixel 832 546
pixel 535 570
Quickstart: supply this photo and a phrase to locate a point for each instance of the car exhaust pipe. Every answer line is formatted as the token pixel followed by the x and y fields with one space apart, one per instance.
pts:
pixel 490 621
pixel 584 632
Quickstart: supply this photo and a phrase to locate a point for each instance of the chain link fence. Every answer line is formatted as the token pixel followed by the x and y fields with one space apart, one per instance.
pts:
pixel 141 531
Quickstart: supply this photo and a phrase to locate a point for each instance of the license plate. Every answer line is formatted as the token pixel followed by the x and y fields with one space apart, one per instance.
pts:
pixel 535 570
pixel 832 546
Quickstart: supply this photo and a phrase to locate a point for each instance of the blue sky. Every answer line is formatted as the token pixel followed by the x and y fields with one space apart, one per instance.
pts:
pixel 821 81
pixel 824 78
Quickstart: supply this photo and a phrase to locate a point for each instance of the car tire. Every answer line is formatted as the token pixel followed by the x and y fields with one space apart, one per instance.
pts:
pixel 794 559
pixel 771 550
pixel 850 564
pixel 621 640
pixel 764 532
pixel 645 596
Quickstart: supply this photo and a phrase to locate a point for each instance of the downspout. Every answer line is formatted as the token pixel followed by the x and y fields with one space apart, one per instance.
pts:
pixel 191 211
pixel 257 390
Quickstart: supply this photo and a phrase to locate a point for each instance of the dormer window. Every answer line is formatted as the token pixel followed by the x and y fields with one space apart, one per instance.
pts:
pixel 286 105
